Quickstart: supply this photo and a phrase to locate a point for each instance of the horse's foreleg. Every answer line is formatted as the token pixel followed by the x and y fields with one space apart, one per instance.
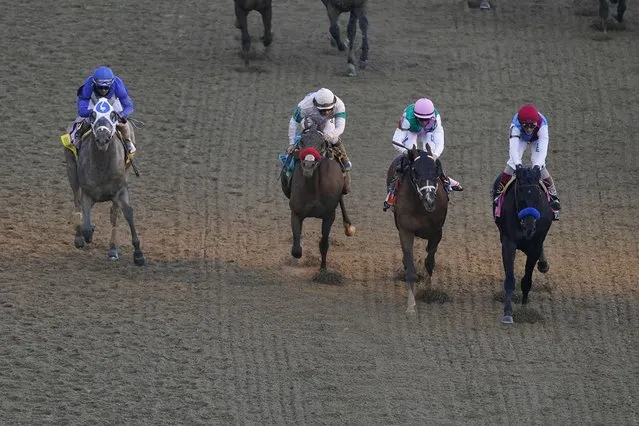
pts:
pixel 349 229
pixel 113 244
pixel 267 14
pixel 406 239
pixel 122 200
pixel 508 249
pixel 72 174
pixel 431 249
pixel 363 27
pixel 351 30
pixel 242 21
pixel 542 264
pixel 327 224
pixel 603 13
pixel 296 227
pixel 621 8
pixel 333 15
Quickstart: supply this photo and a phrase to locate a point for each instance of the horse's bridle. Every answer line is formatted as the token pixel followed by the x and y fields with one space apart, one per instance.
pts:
pixel 425 187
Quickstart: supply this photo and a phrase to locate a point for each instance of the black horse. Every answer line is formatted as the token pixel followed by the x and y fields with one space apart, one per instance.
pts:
pixel 604 11
pixel 524 217
pixel 357 10
pixel 242 9
pixel 316 189
pixel 420 210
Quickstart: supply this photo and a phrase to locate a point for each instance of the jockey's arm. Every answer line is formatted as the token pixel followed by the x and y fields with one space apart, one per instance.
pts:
pixel 436 140
pixel 514 150
pixel 296 119
pixel 539 152
pixel 84 99
pixel 123 95
pixel 332 134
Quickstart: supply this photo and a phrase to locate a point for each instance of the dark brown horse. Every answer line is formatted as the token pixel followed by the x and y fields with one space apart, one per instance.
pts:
pixel 420 210
pixel 316 189
pixel 357 10
pixel 242 9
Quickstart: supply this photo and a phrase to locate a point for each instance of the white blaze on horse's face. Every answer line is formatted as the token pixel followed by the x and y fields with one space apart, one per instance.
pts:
pixel 427 190
pixel 103 122
pixel 309 163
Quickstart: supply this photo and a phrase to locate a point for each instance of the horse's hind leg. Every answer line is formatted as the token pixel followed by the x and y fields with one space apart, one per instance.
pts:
pixel 242 20
pixel 363 27
pixel 603 13
pixel 406 239
pixel 72 174
pixel 526 281
pixel 267 15
pixel 351 31
pixel 327 224
pixel 333 15
pixel 431 249
pixel 122 201
pixel 113 245
pixel 349 229
pixel 87 210
pixel 508 249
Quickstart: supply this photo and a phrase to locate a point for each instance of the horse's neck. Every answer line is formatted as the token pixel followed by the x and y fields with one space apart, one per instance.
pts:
pixel 105 160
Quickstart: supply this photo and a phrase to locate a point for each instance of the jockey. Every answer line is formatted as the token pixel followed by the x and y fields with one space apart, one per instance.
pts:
pixel 529 127
pixel 326 104
pixel 105 84
pixel 420 123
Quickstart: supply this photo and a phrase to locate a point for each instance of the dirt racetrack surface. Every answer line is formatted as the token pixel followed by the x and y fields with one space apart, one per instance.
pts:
pixel 221 326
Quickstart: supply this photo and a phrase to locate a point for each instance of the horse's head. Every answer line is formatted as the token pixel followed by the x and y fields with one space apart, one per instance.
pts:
pixel 529 197
pixel 311 146
pixel 424 176
pixel 103 123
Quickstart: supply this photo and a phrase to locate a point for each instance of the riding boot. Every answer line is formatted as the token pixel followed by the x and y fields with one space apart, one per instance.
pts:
pixel 125 131
pixel 391 197
pixel 343 157
pixel 552 192
pixel 498 188
pixel 83 128
pixel 450 183
pixel 347 183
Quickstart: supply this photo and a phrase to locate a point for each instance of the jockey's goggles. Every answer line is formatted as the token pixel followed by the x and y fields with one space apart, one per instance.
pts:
pixel 529 125
pixel 426 121
pixel 106 83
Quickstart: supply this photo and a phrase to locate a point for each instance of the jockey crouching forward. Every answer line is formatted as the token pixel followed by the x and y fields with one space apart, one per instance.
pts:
pixel 420 124
pixel 103 84
pixel 329 106
pixel 529 127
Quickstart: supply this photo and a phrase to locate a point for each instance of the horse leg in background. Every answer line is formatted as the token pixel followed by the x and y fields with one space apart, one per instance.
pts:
pixel 363 27
pixel 603 13
pixel 351 31
pixel 242 20
pixel 431 249
pixel 87 210
pixel 267 15
pixel 508 249
pixel 406 239
pixel 113 245
pixel 526 281
pixel 296 227
pixel 327 224
pixel 349 229
pixel 122 200
pixel 72 174
pixel 542 264
pixel 621 8
pixel 333 15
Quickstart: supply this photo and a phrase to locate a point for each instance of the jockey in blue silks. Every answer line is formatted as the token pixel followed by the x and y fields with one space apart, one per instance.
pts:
pixel 103 83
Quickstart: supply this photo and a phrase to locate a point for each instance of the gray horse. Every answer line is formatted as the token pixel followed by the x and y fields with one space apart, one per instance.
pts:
pixel 357 9
pixel 98 172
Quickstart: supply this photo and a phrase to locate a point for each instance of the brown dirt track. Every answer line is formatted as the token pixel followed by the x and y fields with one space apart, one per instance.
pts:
pixel 221 327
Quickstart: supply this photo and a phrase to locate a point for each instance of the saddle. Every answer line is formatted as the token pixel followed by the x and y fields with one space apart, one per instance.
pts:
pixel 502 196
pixel 68 144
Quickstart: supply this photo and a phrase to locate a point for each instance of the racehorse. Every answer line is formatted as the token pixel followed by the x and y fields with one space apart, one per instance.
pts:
pixel 523 216
pixel 316 188
pixel 97 172
pixel 357 10
pixel 420 210
pixel 242 9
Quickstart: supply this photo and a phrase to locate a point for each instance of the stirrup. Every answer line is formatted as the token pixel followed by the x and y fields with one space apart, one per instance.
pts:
pixel 388 206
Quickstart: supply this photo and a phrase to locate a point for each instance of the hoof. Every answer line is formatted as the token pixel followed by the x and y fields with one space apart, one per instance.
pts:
pixel 411 310
pixel 507 319
pixel 296 253
pixel 113 254
pixel 333 43
pixel 484 5
pixel 351 71
pixel 363 64
pixel 349 230
pixel 543 267
pixel 139 259
pixel 79 242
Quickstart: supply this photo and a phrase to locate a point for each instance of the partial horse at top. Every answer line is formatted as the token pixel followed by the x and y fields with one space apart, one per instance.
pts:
pixel 357 10
pixel 242 9
pixel 604 12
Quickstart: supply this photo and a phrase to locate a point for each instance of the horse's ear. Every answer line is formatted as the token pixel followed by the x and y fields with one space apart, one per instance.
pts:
pixel 428 150
pixel 413 151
